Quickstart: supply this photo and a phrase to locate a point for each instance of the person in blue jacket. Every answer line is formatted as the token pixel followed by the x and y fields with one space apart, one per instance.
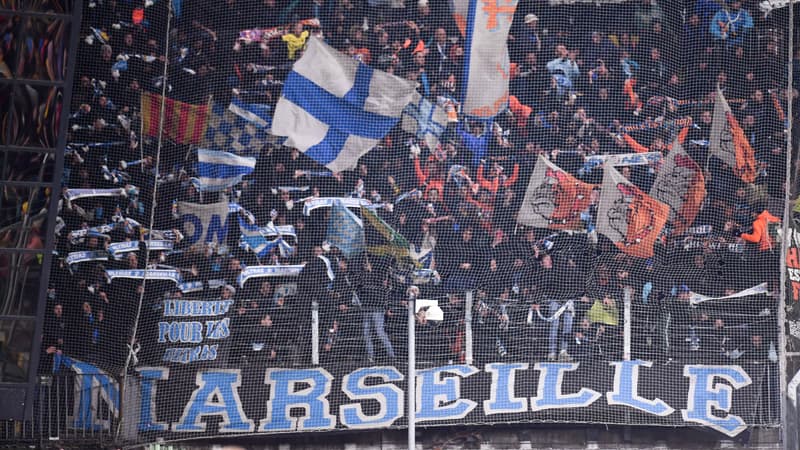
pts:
pixel 731 24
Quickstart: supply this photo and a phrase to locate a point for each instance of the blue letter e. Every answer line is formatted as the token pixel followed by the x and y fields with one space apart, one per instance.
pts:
pixel 706 395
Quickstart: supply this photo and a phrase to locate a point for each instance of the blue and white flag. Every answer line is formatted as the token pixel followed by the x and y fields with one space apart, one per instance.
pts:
pixel 345 230
pixel 335 109
pixel 425 120
pixel 217 171
pixel 240 128
pixel 255 239
pixel 484 25
pixel 258 114
pixel 268 271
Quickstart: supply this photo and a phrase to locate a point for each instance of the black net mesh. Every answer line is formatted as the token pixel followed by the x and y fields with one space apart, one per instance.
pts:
pixel 247 190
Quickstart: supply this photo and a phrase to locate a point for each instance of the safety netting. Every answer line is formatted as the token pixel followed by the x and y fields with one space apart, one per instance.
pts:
pixel 582 202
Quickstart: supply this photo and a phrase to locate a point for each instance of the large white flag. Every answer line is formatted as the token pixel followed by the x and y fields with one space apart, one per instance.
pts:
pixel 484 25
pixel 334 108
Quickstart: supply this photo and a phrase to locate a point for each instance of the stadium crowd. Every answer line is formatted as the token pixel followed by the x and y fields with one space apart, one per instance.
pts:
pixel 580 72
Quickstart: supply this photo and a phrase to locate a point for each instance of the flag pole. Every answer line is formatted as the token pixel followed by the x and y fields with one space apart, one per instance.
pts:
pixel 141 136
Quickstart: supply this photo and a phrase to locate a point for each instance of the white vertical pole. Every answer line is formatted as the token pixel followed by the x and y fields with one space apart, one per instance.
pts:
pixel 314 332
pixel 788 189
pixel 468 328
pixel 626 325
pixel 412 374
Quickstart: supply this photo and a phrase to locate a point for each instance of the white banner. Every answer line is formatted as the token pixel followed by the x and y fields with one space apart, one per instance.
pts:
pixel 74 194
pixel 327 202
pixel 78 257
pixel 203 224
pixel 696 299
pixel 625 159
pixel 269 271
pixel 150 274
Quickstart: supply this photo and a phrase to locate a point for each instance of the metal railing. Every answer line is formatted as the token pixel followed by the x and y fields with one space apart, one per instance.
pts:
pixel 56 418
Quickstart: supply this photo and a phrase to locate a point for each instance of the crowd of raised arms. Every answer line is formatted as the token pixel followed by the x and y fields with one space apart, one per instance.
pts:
pixel 585 80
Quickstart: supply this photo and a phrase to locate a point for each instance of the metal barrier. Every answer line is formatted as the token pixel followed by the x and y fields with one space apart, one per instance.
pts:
pixel 56 419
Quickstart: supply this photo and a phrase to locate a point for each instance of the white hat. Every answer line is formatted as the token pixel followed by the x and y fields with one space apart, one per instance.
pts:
pixel 531 18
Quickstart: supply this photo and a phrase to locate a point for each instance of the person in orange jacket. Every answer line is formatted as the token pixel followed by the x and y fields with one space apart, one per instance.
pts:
pixel 497 179
pixel 760 234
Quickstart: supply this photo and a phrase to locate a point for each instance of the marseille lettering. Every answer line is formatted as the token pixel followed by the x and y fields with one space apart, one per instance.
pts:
pixel 298 399
pixel 193 331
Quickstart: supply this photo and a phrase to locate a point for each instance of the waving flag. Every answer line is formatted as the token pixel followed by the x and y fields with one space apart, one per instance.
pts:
pixel 345 230
pixel 381 239
pixel 425 120
pixel 254 240
pixel 183 123
pixel 629 217
pixel 728 142
pixel 217 171
pixel 258 114
pixel 681 185
pixel 484 25
pixel 554 199
pixel 334 108
pixel 240 127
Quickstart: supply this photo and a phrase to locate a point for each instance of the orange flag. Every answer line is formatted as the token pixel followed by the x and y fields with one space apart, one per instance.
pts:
pixel 728 142
pixel 183 123
pixel 630 218
pixel 681 185
pixel 554 198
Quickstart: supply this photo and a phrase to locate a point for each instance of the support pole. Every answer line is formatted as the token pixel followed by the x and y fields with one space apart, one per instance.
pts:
pixel 626 325
pixel 314 332
pixel 411 392
pixel 468 329
pixel 788 432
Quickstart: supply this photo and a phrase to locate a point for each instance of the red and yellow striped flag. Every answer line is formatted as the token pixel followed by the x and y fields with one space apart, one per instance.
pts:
pixel 184 123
